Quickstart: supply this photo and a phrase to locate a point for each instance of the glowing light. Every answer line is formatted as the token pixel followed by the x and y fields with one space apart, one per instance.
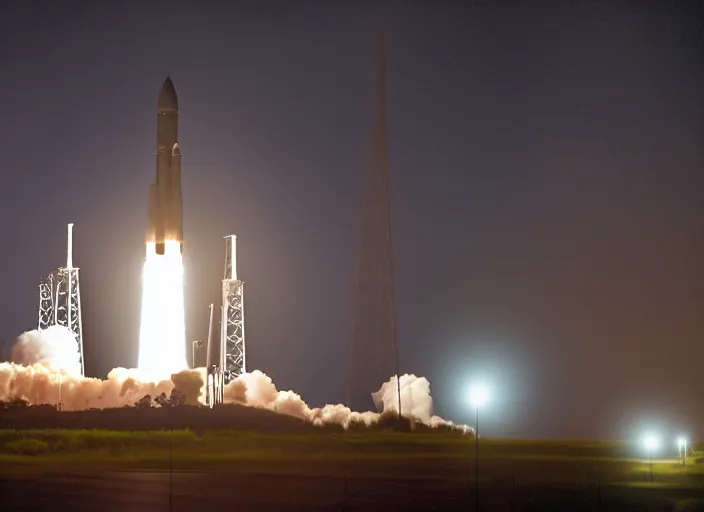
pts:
pixel 162 336
pixel 682 445
pixel 651 442
pixel 478 395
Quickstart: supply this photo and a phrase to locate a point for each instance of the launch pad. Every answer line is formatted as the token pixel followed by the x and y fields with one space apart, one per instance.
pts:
pixel 162 347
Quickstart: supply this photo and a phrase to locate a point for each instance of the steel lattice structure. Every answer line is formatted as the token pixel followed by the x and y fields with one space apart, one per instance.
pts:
pixel 372 345
pixel 60 299
pixel 232 345
pixel 47 315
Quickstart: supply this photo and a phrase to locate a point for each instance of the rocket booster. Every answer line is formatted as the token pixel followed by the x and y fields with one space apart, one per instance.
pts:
pixel 165 200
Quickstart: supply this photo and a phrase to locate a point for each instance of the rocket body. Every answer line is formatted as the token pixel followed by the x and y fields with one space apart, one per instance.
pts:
pixel 165 198
pixel 162 333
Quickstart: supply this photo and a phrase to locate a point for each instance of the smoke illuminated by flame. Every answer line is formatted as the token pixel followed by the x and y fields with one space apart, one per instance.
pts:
pixel 162 335
pixel 46 370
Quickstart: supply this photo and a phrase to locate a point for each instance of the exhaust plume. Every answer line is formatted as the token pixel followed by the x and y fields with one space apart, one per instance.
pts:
pixel 55 348
pixel 46 370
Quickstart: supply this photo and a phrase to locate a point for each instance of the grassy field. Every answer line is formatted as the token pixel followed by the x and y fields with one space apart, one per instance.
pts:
pixel 443 455
pixel 361 470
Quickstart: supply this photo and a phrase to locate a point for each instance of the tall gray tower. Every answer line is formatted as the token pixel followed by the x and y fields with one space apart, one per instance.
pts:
pixel 372 346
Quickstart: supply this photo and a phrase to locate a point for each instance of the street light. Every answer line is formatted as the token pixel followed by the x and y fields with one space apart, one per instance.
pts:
pixel 682 444
pixel 651 443
pixel 478 396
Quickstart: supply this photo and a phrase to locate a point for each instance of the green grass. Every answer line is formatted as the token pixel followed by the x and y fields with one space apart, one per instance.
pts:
pixel 411 455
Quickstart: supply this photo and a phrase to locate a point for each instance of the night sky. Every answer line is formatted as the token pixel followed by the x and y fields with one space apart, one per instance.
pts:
pixel 546 190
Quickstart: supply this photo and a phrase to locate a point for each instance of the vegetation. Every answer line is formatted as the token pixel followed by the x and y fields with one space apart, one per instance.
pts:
pixel 27 446
pixel 223 447
pixel 17 403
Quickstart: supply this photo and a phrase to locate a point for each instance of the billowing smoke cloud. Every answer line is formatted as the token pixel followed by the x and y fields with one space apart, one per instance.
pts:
pixel 55 348
pixel 46 370
pixel 256 389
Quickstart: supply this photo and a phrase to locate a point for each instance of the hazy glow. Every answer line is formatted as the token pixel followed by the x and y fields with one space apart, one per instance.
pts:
pixel 478 395
pixel 651 442
pixel 162 335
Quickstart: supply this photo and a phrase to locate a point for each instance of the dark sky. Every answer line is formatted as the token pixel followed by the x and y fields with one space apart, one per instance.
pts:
pixel 546 176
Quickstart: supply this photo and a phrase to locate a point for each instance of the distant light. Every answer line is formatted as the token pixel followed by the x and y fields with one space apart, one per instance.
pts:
pixel 682 444
pixel 478 395
pixel 651 442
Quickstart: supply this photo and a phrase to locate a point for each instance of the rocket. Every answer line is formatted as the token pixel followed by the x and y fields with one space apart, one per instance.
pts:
pixel 165 200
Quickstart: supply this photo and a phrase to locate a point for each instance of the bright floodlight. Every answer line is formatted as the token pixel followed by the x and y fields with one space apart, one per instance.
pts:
pixel 478 395
pixel 650 442
pixel 681 442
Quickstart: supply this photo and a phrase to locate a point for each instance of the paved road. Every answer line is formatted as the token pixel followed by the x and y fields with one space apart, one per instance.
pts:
pixel 137 491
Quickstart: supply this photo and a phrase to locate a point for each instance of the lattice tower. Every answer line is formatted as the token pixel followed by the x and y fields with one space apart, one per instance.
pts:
pixel 60 299
pixel 372 346
pixel 232 348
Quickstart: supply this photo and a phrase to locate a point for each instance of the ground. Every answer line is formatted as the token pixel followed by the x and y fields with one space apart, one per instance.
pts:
pixel 321 470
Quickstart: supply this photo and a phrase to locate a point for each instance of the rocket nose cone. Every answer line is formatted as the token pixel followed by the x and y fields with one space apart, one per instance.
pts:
pixel 167 96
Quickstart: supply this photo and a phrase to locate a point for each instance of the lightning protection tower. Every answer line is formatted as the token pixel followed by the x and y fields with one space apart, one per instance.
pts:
pixel 232 343
pixel 60 298
pixel 372 344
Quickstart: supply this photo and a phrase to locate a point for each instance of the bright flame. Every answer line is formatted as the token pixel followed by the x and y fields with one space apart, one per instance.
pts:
pixel 162 336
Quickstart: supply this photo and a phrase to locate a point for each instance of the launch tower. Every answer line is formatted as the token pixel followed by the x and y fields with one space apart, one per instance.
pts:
pixel 232 347
pixel 60 298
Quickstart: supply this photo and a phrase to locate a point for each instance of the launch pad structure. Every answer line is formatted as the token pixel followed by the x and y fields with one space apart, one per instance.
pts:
pixel 60 299
pixel 232 355
pixel 232 347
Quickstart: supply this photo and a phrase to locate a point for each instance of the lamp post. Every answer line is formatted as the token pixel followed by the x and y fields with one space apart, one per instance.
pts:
pixel 651 443
pixel 682 443
pixel 478 396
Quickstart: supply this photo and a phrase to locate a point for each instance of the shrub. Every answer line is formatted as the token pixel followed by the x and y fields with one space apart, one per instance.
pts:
pixel 144 403
pixel 331 427
pixel 27 446
pixel 391 421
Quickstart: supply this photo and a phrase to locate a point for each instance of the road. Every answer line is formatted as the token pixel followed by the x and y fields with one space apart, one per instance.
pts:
pixel 137 491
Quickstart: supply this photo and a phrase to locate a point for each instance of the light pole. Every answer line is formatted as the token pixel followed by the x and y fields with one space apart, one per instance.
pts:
pixel 682 443
pixel 651 443
pixel 478 396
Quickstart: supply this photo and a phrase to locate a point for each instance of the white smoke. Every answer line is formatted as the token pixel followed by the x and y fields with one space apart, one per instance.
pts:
pixel 256 389
pixel 46 370
pixel 55 348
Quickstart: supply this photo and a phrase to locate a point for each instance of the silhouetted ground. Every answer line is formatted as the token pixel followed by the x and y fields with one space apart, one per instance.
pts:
pixel 237 417
pixel 238 458
pixel 137 491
